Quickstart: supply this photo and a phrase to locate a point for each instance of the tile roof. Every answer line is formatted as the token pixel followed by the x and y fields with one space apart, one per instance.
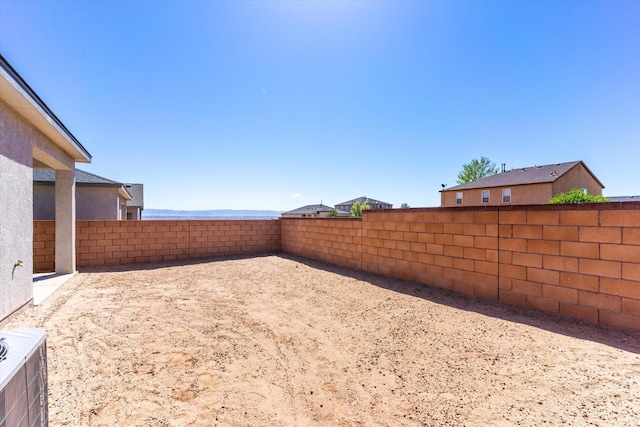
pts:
pixel 82 177
pixel 522 176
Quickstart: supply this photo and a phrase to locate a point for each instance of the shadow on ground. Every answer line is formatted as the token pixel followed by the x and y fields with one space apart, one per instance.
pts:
pixel 164 264
pixel 556 323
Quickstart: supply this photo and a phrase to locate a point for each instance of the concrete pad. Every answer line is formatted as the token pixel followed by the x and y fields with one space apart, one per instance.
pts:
pixel 44 284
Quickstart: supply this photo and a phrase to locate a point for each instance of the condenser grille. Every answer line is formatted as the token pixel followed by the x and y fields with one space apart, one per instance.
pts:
pixel 23 379
pixel 4 348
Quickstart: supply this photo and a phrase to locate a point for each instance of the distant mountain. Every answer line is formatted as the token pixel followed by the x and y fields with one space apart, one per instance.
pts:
pixel 209 214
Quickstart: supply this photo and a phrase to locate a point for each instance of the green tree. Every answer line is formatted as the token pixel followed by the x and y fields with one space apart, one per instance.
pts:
pixel 576 196
pixel 357 208
pixel 333 213
pixel 405 206
pixel 476 169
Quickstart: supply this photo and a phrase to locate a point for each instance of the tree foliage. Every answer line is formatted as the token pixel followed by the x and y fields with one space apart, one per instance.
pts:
pixel 357 208
pixel 405 206
pixel 333 213
pixel 476 169
pixel 576 196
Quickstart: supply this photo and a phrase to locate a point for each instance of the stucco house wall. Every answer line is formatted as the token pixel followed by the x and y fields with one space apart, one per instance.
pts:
pixel 97 198
pixel 16 219
pixel 31 136
pixel 577 177
pixel 531 185
pixel 134 206
pixel 44 202
pixel 99 203
pixel 21 146
pixel 92 203
pixel 520 195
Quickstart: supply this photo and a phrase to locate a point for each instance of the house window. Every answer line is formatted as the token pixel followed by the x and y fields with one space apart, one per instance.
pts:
pixel 506 195
pixel 485 196
pixel 459 198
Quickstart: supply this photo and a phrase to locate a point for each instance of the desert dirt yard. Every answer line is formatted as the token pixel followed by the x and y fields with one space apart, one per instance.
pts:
pixel 276 340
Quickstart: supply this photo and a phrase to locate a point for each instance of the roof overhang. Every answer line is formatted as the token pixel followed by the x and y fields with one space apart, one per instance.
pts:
pixel 17 93
pixel 124 193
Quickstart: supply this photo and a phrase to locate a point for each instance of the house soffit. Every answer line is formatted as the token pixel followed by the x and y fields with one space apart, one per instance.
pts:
pixel 17 93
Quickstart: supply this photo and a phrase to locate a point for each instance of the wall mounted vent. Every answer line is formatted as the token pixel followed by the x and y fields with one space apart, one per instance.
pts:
pixel 23 378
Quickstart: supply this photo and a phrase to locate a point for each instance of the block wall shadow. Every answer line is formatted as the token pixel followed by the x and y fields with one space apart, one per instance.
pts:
pixel 619 338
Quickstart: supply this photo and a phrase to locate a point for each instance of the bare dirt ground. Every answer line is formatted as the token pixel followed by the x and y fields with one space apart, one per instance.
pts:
pixel 281 341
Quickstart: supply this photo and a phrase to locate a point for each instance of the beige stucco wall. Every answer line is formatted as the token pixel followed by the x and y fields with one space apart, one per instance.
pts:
pixel 44 202
pixel 92 203
pixel 577 177
pixel 16 224
pixel 530 194
pixel 16 220
pixel 98 203
pixel 22 146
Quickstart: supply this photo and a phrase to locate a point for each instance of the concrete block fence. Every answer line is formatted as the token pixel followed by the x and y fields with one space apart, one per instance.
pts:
pixel 582 261
pixel 44 246
pixel 100 243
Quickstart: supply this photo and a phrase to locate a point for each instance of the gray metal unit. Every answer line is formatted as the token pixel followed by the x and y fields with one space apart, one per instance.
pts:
pixel 23 379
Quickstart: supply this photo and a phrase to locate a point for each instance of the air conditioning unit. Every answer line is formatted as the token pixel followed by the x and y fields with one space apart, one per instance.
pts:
pixel 23 378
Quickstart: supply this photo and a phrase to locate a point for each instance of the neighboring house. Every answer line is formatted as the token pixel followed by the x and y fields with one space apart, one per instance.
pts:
pixel 97 198
pixel 314 211
pixel 375 204
pixel 135 206
pixel 31 136
pixel 523 186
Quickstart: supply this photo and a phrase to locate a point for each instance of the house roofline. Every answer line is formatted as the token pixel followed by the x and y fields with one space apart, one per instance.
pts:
pixel 16 91
pixel 474 184
pixel 124 193
pixel 591 173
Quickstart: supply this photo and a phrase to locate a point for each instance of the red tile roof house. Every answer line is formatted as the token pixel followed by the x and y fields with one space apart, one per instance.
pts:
pixel 97 198
pixel 31 136
pixel 523 186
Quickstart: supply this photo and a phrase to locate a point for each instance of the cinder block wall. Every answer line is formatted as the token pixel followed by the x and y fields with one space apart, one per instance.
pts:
pixel 332 240
pixel 44 246
pixel 126 242
pixel 582 261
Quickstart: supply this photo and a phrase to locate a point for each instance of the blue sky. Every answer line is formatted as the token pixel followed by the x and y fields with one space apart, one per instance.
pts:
pixel 276 105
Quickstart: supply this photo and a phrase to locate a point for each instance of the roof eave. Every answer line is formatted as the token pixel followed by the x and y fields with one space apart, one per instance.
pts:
pixel 17 93
pixel 124 193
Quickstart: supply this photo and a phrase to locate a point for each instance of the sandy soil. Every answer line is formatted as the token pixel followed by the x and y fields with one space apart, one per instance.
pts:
pixel 280 341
